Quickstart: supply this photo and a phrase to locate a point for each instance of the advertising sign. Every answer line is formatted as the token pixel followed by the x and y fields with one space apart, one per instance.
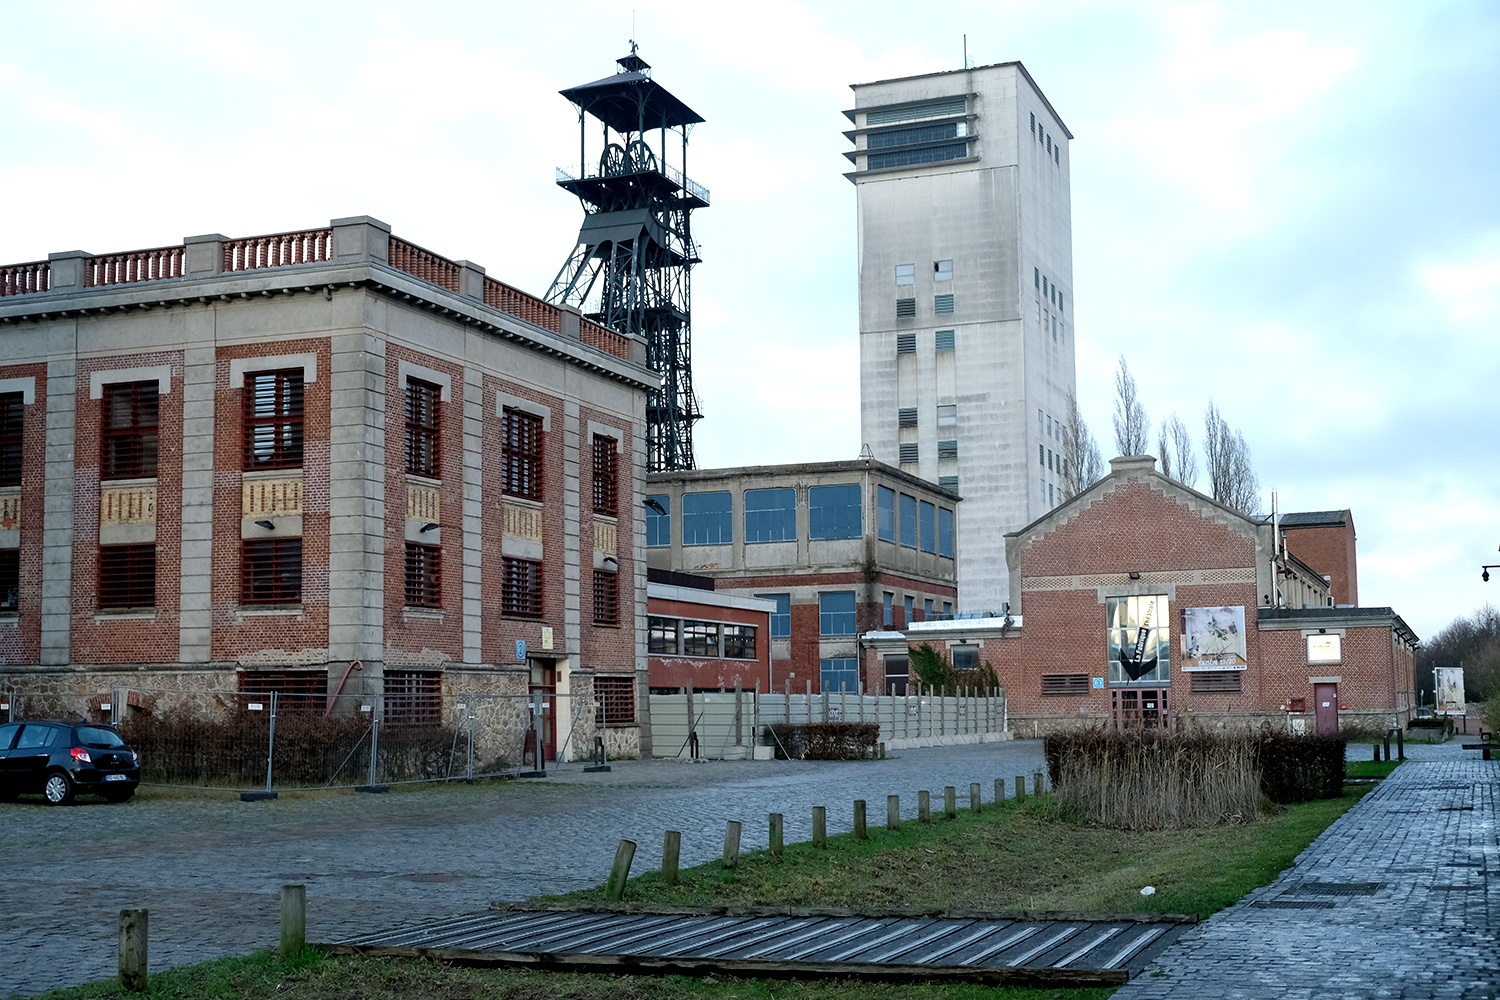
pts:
pixel 1214 638
pixel 1449 685
pixel 1324 649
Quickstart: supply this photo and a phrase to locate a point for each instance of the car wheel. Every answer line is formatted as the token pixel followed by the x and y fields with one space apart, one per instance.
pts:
pixel 58 788
pixel 119 794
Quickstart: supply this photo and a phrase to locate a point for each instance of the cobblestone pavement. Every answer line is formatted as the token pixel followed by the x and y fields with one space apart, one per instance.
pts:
pixel 1400 897
pixel 210 872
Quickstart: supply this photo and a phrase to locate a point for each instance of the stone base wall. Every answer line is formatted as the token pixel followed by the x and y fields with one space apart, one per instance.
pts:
pixel 1378 720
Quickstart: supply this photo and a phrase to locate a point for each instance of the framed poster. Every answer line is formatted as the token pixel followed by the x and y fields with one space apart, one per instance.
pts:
pixel 1139 639
pixel 1325 649
pixel 1214 638
pixel 1448 685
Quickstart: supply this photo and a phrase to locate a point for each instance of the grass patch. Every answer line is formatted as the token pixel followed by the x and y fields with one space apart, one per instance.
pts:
pixel 1022 856
pixel 313 975
pixel 1370 768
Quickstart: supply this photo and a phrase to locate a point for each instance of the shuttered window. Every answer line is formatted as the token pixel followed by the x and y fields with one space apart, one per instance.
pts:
pixel 944 340
pixel 616 698
pixel 948 451
pixel 606 598
pixel 917 157
pixel 606 475
pixel 949 483
pixel 1216 681
pixel 521 454
pixel 936 108
pixel 422 436
pixel 10 579
pixel 906 416
pixel 521 588
pixel 413 698
pixel 127 576
pixel 424 575
pixel 1057 685
pixel 273 419
pixel 942 305
pixel 12 424
pixel 130 431
pixel 907 453
pixel 906 343
pixel 271 571
pixel 906 307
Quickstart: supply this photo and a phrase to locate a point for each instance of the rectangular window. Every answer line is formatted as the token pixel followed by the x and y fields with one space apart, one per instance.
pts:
pixel 520 454
pixel 658 521
pixel 835 511
pixel 130 431
pixel 1036 276
pixel 606 598
pixel 10 579
pixel 913 136
pixel 739 642
pixel 949 483
pixel 413 698
pixel 886 618
pixel 908 452
pixel 424 574
pixel 615 694
pixel 1050 501
pixel 905 307
pixel 521 588
pixel 906 343
pixel 771 515
pixel 906 416
pixel 839 674
pixel 781 618
pixel 934 108
pixel 1049 459
pixel 273 419
pixel 897 670
pixel 606 476
pixel 1138 634
pixel 708 518
pixel 947 451
pixel 942 305
pixel 422 399
pixel 920 155
pixel 944 340
pixel 910 609
pixel 662 635
pixel 927 608
pixel 947 416
pixel 942 270
pixel 929 527
pixel 885 513
pixel 1064 685
pixel 836 613
pixel 908 521
pixel 945 532
pixel 298 692
pixel 947 607
pixel 12 425
pixel 700 638
pixel 271 571
pixel 906 274
pixel 1041 455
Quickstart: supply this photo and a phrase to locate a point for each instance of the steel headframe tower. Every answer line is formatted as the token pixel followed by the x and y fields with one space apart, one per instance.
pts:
pixel 630 270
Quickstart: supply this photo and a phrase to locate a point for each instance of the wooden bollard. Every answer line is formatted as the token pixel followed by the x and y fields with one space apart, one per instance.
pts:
pixel 614 889
pixel 1020 788
pixel 893 812
pixel 731 843
pixel 859 819
pixel 974 803
pixel 671 850
pixel 924 806
pixel 999 790
pixel 293 920
pixel 1374 751
pixel 950 802
pixel 820 826
pixel 133 926
pixel 1036 784
pixel 776 834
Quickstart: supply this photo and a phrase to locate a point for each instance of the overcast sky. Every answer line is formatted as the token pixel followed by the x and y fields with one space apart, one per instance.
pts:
pixel 1291 208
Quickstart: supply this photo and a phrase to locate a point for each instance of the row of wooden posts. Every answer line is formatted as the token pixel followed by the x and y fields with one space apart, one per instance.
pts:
pixel 134 925
pixel 614 889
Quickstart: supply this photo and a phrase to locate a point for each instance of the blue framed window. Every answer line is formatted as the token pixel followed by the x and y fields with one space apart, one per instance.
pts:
pixel 771 515
pixel 929 527
pixel 836 613
pixel 658 523
pixel 908 521
pixel 945 532
pixel 885 616
pixel 835 511
pixel 910 610
pixel 707 518
pixel 781 618
pixel 885 513
pixel 839 674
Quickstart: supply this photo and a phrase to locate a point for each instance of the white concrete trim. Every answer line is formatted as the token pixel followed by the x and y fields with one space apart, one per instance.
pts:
pixel 710 598
pixel 1334 679
pixel 239 367
pixel 25 386
pixel 604 430
pixel 160 374
pixel 406 370
pixel 504 399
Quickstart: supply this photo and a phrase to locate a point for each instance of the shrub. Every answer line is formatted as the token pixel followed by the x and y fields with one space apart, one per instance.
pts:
pixel 1299 768
pixel 823 740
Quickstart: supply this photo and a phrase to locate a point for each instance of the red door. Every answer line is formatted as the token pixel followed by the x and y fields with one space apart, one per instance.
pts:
pixel 1326 706
pixel 544 689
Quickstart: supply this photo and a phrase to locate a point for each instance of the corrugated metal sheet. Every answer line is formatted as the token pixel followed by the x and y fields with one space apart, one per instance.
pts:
pixel 1089 949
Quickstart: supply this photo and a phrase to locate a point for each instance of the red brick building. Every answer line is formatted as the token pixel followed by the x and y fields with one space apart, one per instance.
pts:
pixel 250 463
pixel 705 640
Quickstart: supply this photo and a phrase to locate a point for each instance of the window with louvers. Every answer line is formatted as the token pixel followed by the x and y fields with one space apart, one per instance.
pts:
pixel 606 475
pixel 127 576
pixel 521 454
pixel 298 692
pixel 129 436
pixel 413 698
pixel 422 437
pixel 10 579
pixel 1065 684
pixel 906 307
pixel 273 419
pixel 907 453
pixel 906 416
pixel 616 698
pixel 906 343
pixel 271 571
pixel 606 598
pixel 1216 681
pixel 521 588
pixel 12 425
pixel 424 575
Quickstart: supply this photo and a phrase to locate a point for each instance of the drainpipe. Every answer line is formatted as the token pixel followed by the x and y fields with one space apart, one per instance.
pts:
pixel 353 666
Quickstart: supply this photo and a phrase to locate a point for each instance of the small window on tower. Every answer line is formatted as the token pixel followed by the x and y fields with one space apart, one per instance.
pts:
pixel 942 270
pixel 906 343
pixel 906 416
pixel 906 307
pixel 947 416
pixel 944 340
pixel 906 274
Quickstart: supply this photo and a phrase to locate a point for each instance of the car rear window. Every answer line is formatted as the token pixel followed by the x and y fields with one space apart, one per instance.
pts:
pixel 92 736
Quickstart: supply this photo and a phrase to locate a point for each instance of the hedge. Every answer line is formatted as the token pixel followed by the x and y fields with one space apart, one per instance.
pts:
pixel 823 740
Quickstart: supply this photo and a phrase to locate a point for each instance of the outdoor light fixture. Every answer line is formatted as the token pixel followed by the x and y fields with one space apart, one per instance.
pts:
pixel 1484 572
pixel 1135 576
pixel 268 525
pixel 424 529
pixel 655 505
pixel 612 559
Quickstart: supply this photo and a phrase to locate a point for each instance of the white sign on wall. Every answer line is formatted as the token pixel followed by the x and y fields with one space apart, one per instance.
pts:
pixel 1324 649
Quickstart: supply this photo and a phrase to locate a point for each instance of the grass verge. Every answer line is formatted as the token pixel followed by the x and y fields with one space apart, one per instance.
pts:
pixel 1370 768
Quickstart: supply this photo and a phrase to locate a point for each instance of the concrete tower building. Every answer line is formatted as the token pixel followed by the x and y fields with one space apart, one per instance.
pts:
pixel 966 297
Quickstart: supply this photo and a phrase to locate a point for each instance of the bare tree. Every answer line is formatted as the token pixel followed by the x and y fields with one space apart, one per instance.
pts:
pixel 1132 428
pixel 1082 466
pixel 1231 478
pixel 1175 446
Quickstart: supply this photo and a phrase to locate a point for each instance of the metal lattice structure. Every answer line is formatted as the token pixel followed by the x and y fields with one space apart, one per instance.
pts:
pixel 631 268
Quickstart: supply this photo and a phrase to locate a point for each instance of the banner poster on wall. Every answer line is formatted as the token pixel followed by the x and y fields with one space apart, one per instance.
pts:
pixel 1214 638
pixel 1448 683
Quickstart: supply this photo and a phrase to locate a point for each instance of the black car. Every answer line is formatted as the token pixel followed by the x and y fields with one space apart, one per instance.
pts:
pixel 61 759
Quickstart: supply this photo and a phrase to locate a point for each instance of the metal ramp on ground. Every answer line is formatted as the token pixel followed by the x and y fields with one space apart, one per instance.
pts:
pixel 1044 949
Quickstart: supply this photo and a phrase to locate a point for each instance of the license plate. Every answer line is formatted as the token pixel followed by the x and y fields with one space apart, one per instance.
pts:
pixel 116 777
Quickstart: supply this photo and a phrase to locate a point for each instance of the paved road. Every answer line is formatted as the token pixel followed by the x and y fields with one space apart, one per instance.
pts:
pixel 1422 855
pixel 210 871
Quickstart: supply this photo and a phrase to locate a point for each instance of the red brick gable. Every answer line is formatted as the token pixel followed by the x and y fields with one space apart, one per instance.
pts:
pixel 1133 526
